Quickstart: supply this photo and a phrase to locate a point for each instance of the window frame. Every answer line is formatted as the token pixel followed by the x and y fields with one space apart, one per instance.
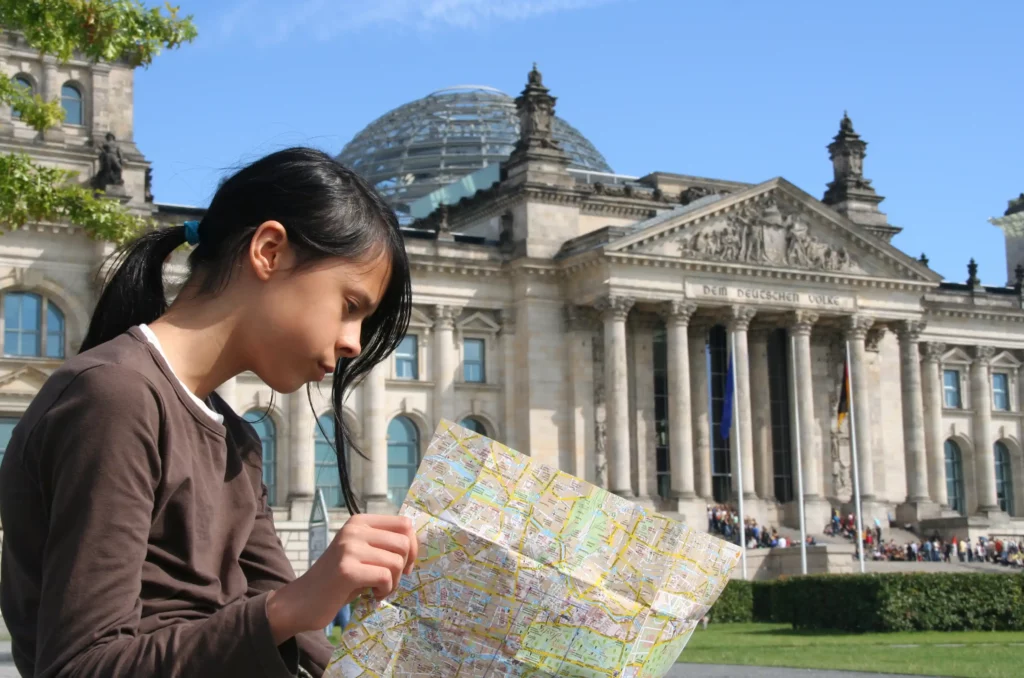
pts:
pixel 946 388
pixel 80 91
pixel 1006 391
pixel 320 441
pixel 482 362
pixel 417 445
pixel 25 79
pixel 263 418
pixel 414 357
pixel 1003 461
pixel 43 332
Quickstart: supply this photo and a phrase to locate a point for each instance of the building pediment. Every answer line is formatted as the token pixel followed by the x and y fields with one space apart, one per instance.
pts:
pixel 23 380
pixel 771 225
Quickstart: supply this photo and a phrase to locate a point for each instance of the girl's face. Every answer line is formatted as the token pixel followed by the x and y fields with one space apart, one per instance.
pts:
pixel 301 322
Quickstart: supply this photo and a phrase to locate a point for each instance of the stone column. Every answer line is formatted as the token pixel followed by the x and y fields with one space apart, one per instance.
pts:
pixel 100 108
pixel 444 363
pixel 699 405
pixel 856 332
pixel 680 416
pixel 933 438
pixel 375 438
pixel 6 124
pixel 301 450
pixel 984 457
pixel 51 85
pixel 739 322
pixel 909 333
pixel 614 310
pixel 761 402
pixel 229 392
pixel 802 322
pixel 507 318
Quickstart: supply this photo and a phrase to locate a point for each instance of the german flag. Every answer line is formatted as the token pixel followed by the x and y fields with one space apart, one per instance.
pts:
pixel 844 397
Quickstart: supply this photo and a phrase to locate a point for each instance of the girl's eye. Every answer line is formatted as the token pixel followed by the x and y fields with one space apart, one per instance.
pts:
pixel 351 306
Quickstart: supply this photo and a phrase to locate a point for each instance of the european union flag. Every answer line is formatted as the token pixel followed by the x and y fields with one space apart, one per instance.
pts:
pixel 726 423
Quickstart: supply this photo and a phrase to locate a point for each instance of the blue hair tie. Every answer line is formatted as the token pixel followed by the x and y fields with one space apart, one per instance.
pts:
pixel 192 232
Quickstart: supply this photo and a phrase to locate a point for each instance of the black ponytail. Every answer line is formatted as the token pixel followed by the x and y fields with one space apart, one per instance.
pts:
pixel 134 290
pixel 327 211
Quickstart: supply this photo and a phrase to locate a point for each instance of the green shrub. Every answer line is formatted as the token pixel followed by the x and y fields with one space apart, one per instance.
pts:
pixel 736 604
pixel 879 602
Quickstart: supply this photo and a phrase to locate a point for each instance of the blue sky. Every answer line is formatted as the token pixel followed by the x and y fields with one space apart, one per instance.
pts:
pixel 742 90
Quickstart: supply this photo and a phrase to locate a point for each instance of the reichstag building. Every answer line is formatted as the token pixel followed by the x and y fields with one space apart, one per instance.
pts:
pixel 586 318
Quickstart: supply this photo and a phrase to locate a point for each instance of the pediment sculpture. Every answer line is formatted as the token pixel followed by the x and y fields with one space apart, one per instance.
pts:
pixel 762 235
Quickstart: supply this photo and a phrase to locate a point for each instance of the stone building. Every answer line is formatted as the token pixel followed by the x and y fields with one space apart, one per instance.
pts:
pixel 586 318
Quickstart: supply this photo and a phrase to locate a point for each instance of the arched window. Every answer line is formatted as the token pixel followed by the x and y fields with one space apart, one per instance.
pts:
pixel 71 101
pixel 955 478
pixel 473 424
pixel 23 83
pixel 403 458
pixel 7 425
pixel 267 432
pixel 26 326
pixel 1004 478
pixel 327 461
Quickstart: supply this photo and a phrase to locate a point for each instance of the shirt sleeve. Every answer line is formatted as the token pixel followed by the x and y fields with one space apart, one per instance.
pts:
pixel 267 568
pixel 100 463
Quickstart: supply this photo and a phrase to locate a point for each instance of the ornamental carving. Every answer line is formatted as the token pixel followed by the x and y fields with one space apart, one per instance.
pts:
pixel 933 351
pixel 759 233
pixel 678 311
pixel 615 306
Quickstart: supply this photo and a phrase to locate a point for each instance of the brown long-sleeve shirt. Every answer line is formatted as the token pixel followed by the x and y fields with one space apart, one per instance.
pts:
pixel 137 537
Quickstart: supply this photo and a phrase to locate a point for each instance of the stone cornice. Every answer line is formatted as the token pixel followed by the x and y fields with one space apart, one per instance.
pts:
pixel 975 313
pixel 591 259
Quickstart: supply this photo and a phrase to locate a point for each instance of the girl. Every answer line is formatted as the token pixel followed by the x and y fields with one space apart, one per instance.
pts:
pixel 137 537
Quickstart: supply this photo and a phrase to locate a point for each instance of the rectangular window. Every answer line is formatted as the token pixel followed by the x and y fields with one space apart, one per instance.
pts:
pixel 7 425
pixel 951 389
pixel 1001 391
pixel 407 364
pixel 473 361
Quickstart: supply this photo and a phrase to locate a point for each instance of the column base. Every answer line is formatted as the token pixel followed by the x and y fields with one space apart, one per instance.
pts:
pixel 817 514
pixel 872 509
pixel 913 511
pixel 379 505
pixel 299 507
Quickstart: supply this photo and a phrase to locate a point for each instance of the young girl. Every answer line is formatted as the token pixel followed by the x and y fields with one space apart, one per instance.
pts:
pixel 137 536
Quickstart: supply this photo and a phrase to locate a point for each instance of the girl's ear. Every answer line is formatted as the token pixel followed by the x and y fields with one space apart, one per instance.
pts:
pixel 269 251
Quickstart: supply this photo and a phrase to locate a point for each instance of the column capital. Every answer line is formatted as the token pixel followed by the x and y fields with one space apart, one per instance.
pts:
pixel 982 354
pixel 444 317
pixel 614 306
pixel 678 311
pixel 801 322
pixel 910 330
pixel 873 340
pixel 739 318
pixel 933 351
pixel 857 326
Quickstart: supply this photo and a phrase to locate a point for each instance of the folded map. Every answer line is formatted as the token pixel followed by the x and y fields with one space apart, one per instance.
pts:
pixel 524 570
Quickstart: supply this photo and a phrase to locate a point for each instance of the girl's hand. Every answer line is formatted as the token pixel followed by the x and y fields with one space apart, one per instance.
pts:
pixel 369 552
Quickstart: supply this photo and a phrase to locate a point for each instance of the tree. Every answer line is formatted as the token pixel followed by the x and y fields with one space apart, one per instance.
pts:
pixel 100 30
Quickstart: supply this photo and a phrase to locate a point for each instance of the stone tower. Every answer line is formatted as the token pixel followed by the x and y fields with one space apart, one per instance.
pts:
pixel 850 193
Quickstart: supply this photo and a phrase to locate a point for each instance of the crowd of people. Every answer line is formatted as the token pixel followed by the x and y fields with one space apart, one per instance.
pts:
pixel 725 521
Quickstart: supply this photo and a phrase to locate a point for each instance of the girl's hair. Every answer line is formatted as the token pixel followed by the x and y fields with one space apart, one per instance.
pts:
pixel 327 211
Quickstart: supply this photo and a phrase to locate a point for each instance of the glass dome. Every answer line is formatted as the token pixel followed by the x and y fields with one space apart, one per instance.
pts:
pixel 429 143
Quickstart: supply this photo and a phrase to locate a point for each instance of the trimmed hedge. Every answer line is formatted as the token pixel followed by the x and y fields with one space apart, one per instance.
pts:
pixel 879 602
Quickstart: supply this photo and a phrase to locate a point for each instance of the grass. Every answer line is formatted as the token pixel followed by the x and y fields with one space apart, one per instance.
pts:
pixel 966 654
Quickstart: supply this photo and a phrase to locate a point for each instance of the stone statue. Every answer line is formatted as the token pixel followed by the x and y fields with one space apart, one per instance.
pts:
pixel 764 236
pixel 149 184
pixel 111 164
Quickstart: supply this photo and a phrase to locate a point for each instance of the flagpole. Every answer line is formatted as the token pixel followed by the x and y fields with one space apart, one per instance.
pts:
pixel 853 455
pixel 739 460
pixel 799 471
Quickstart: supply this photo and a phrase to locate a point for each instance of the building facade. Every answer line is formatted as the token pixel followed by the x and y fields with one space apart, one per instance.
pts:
pixel 588 319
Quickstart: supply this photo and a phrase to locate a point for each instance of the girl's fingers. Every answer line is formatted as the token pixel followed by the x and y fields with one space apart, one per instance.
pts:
pixel 374 577
pixel 399 525
pixel 394 563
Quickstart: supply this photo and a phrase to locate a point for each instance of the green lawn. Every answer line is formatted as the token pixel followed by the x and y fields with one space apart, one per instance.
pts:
pixel 969 654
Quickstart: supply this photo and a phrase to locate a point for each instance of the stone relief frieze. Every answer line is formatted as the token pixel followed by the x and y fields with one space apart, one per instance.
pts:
pixel 760 233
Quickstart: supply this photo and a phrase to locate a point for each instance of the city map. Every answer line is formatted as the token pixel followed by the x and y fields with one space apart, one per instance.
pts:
pixel 524 570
